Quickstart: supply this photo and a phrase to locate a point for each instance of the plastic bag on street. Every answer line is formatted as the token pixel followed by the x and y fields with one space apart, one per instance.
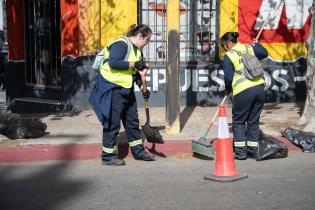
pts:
pixel 306 141
pixel 270 148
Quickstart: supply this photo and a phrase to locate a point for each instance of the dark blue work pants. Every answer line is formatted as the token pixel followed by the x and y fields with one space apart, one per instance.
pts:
pixel 247 107
pixel 123 107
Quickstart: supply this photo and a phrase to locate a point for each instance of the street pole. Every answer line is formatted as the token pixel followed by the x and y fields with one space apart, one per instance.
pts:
pixel 172 68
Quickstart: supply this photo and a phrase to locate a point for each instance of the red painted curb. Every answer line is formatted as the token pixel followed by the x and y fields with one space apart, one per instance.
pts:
pixel 291 146
pixel 36 152
pixel 49 152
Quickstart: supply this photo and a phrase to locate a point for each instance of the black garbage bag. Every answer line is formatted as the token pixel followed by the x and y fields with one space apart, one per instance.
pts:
pixel 3 127
pixel 304 140
pixel 270 148
pixel 25 128
pixel 15 127
pixel 7 117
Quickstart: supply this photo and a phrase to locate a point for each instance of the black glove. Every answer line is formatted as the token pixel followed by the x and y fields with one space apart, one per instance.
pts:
pixel 137 79
pixel 228 89
pixel 140 65
pixel 146 95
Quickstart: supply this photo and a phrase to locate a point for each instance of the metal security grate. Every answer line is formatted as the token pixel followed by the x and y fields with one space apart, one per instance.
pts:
pixel 198 31
pixel 42 47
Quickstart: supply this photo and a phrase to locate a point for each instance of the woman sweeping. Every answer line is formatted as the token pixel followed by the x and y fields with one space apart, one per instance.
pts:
pixel 113 98
pixel 248 94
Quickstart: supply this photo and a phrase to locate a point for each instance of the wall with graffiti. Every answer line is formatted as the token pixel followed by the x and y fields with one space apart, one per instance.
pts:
pixel 86 26
pixel 284 36
pixel 52 46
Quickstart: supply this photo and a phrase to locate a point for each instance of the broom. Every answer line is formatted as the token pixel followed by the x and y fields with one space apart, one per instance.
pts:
pixel 200 146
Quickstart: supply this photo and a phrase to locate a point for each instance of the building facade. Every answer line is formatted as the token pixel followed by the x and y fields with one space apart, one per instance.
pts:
pixel 52 44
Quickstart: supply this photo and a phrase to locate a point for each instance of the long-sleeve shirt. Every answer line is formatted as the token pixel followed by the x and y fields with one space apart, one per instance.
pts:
pixel 117 53
pixel 228 68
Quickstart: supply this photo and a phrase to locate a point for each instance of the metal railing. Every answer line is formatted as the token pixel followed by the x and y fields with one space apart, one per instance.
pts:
pixel 198 31
pixel 42 44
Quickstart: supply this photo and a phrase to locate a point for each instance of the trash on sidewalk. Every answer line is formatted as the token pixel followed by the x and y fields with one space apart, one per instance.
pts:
pixel 270 148
pixel 304 140
pixel 14 126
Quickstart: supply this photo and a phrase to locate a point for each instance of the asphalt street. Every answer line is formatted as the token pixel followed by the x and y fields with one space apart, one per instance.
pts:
pixel 168 183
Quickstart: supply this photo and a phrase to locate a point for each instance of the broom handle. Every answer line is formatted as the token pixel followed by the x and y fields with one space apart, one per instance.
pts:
pixel 263 26
pixel 267 18
pixel 146 103
pixel 213 118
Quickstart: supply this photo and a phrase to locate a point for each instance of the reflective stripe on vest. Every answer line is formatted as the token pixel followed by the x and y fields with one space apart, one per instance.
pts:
pixel 240 82
pixel 110 150
pixel 121 77
pixel 135 143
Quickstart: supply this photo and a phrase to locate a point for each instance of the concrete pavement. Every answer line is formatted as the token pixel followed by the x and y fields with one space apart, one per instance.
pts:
pixel 77 135
pixel 168 183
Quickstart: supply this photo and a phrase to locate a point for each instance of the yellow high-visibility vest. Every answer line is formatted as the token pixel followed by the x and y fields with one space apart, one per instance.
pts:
pixel 121 77
pixel 240 82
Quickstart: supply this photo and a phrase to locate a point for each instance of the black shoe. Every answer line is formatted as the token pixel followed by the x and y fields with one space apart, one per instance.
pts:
pixel 240 156
pixel 253 156
pixel 145 156
pixel 252 153
pixel 114 162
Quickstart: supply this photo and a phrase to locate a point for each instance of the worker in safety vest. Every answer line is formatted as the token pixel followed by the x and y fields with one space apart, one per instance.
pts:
pixel 248 95
pixel 113 98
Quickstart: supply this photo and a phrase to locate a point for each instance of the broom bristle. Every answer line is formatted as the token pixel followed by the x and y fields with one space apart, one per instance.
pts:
pixel 202 148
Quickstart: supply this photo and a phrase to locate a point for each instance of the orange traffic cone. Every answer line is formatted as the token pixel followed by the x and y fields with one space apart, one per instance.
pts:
pixel 225 169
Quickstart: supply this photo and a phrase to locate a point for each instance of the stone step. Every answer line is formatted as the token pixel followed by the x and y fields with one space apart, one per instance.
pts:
pixel 31 105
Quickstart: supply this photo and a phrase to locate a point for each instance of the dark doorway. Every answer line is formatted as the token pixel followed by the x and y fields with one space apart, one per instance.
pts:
pixel 42 44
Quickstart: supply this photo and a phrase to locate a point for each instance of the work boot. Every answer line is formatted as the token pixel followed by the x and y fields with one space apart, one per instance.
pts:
pixel 241 156
pixel 240 153
pixel 252 152
pixel 145 156
pixel 114 162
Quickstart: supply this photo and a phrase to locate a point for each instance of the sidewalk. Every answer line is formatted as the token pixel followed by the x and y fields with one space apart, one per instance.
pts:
pixel 78 135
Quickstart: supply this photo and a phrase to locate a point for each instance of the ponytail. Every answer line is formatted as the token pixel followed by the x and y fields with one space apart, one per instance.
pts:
pixel 143 29
pixel 230 36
